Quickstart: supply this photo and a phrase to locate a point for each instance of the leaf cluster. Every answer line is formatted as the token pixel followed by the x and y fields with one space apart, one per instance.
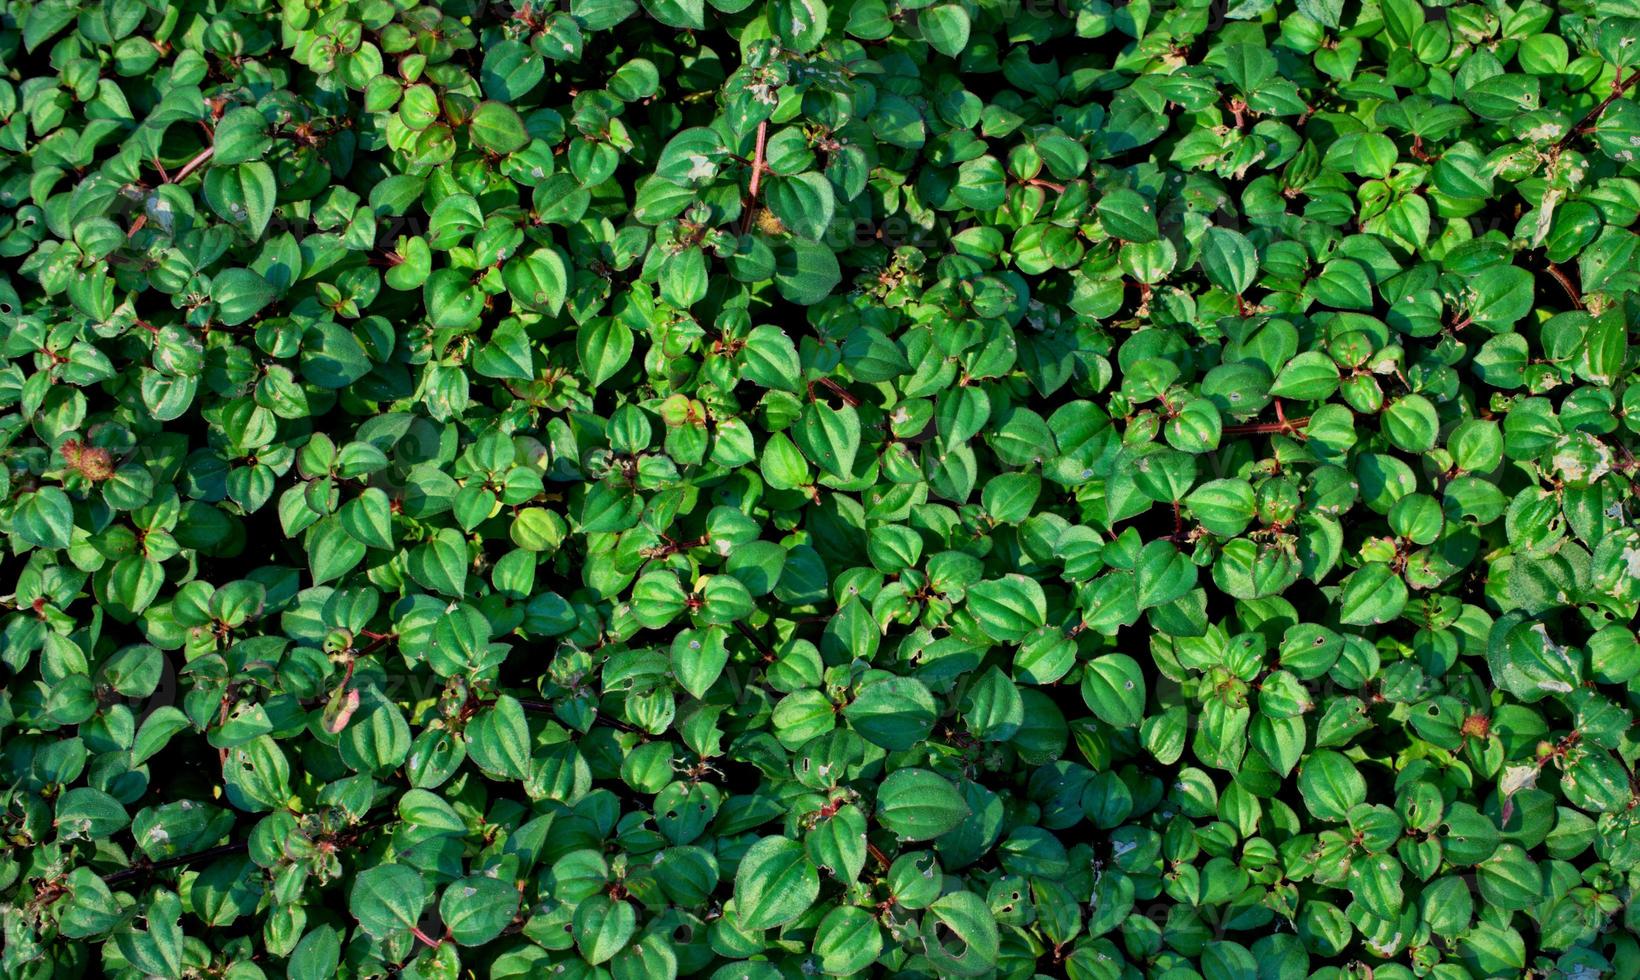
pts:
pixel 753 489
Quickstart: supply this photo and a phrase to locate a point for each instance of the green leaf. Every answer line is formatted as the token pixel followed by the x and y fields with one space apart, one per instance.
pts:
pixel 804 203
pixel 538 281
pixel 44 518
pixel 498 739
pixel 240 294
pixel 1113 686
pixel 603 346
pixel 477 908
pixel 847 941
pixel 511 69
pixel 317 955
pixel 497 127
pixel 830 437
pixel 1127 216
pixel 1229 260
pixel 945 27
pixel 243 195
pixel 893 712
pixel 1343 285
pixel 960 934
pixel 332 357
pixel 241 136
pixel 157 948
pixel 1411 424
pixel 800 24
pixel 388 899
pixel 775 884
pixel 603 926
pixel 332 551
pixel 768 358
pixel 1372 594
pixel 1008 609
pixel 451 299
pixel 806 272
pixel 1330 785
pixel 917 804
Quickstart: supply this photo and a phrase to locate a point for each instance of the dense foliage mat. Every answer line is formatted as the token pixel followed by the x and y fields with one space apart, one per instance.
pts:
pixel 790 487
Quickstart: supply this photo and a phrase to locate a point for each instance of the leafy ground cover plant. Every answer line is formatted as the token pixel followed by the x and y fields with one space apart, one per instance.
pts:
pixel 766 488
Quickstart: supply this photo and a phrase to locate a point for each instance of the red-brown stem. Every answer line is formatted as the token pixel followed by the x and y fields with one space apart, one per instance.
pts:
pixel 1566 283
pixel 198 161
pixel 882 858
pixel 221 720
pixel 429 940
pixel 837 390
pixel 757 176
pixel 756 641
pixel 673 547
pixel 1266 428
pixel 1619 86
pixel 376 641
pixel 1046 184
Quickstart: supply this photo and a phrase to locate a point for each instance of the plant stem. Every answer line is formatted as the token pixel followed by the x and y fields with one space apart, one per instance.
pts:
pixel 882 858
pixel 1266 428
pixel 757 176
pixel 757 641
pixel 1565 281
pixel 198 161
pixel 1619 86
pixel 221 850
pixel 1045 184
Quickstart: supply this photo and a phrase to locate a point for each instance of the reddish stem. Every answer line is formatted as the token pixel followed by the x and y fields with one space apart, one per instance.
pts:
pixel 1266 428
pixel 882 858
pixel 198 161
pixel 1565 281
pixel 1619 86
pixel 1046 184
pixel 756 641
pixel 835 389
pixel 757 176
